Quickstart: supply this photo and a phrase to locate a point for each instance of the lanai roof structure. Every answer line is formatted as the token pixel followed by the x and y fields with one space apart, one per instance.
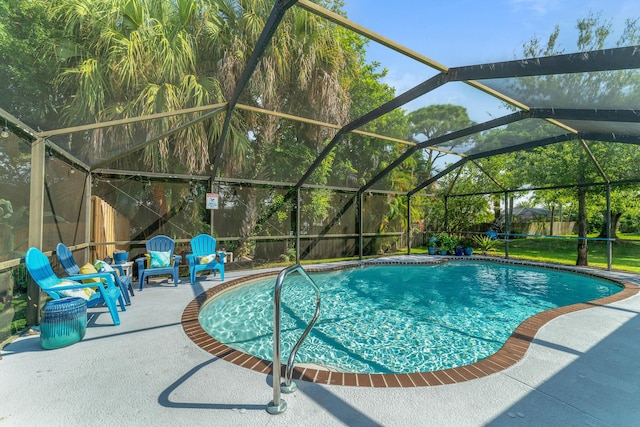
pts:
pixel 581 99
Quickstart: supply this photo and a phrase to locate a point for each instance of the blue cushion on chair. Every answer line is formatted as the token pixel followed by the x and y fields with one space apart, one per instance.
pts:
pixel 159 259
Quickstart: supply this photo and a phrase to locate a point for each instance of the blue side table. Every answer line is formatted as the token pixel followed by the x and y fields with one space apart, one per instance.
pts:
pixel 64 322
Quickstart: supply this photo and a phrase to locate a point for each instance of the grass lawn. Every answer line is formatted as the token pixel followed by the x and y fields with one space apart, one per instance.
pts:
pixel 625 252
pixel 14 318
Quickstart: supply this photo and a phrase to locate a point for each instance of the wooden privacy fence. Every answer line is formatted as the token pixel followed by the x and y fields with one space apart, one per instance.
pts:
pixel 542 228
pixel 107 225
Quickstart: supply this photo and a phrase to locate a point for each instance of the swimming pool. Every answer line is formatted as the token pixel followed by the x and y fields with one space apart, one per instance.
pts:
pixel 397 319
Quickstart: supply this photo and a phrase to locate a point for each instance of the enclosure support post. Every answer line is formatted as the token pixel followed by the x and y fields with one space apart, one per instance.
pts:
pixel 36 218
pixel 408 225
pixel 211 225
pixel 359 219
pixel 87 215
pixel 446 213
pixel 297 225
pixel 507 224
pixel 609 248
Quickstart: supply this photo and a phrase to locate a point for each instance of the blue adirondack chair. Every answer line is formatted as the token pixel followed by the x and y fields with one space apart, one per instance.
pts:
pixel 204 257
pixel 161 260
pixel 40 269
pixel 71 267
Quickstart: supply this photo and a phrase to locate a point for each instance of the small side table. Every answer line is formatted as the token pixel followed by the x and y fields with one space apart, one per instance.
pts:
pixel 126 268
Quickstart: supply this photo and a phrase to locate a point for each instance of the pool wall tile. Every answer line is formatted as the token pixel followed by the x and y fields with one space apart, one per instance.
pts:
pixel 417 379
pixel 233 357
pixel 364 380
pixel 242 359
pixel 391 380
pixel 322 377
pixel 309 375
pixel 249 362
pixel 336 378
pixel 443 377
pixel 350 379
pixel 377 380
pixel 467 373
pixel 405 380
pixel 455 375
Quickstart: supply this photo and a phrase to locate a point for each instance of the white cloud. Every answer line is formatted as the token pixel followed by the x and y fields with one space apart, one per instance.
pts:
pixel 540 7
pixel 402 81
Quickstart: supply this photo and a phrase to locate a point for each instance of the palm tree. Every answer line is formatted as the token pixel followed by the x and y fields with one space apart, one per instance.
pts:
pixel 300 73
pixel 123 59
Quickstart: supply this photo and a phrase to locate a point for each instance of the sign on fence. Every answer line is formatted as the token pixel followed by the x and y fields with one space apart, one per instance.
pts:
pixel 212 201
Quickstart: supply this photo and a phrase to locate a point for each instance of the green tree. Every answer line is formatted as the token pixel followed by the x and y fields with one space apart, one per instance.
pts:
pixel 122 58
pixel 25 68
pixel 301 73
pixel 568 163
pixel 460 213
pixel 430 122
pixel 425 124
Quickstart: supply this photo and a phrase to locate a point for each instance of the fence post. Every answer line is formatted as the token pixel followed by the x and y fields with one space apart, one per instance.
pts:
pixel 36 219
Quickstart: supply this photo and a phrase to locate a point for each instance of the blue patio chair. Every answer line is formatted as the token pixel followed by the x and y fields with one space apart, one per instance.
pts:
pixel 71 267
pixel 109 294
pixel 204 257
pixel 159 260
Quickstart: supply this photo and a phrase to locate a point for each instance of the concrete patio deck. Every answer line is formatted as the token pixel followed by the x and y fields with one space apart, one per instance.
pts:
pixel 582 369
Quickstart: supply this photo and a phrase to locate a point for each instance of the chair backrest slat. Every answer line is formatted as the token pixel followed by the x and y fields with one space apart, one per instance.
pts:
pixel 65 257
pixel 203 244
pixel 161 243
pixel 40 269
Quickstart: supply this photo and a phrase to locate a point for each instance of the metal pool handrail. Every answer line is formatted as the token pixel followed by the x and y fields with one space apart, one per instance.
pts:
pixel 278 405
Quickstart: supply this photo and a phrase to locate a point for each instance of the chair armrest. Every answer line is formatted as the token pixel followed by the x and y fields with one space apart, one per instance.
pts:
pixel 141 262
pixel 116 273
pixel 221 255
pixel 192 259
pixel 176 260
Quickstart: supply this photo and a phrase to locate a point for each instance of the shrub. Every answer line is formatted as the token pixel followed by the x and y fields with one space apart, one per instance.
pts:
pixel 466 242
pixel 484 243
pixel 446 242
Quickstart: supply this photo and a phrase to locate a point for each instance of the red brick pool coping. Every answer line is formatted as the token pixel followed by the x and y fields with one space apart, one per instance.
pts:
pixel 509 354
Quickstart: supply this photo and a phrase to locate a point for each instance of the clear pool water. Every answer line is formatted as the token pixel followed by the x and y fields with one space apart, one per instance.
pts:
pixel 396 319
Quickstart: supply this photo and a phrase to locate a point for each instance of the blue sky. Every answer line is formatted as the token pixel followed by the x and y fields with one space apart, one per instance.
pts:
pixel 463 32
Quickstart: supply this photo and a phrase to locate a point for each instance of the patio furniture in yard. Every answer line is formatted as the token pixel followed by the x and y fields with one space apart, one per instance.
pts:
pixel 205 257
pixel 159 260
pixel 106 293
pixel 71 267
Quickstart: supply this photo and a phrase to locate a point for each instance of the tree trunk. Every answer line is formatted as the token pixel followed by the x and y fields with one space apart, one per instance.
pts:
pixel 248 222
pixel 583 258
pixel 615 221
pixel 158 193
